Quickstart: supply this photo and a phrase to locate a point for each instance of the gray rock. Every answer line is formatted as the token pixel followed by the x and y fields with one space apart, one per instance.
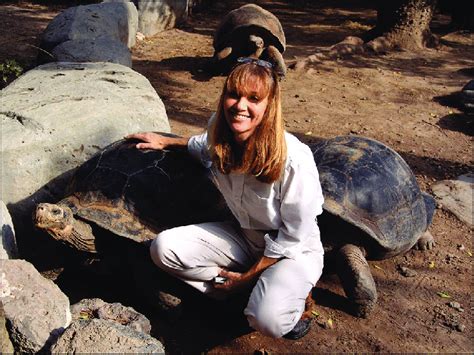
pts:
pixel 457 196
pixel 116 312
pixel 406 272
pixel 57 116
pixel 118 20
pixel 105 336
pixel 101 49
pixel 456 305
pixel 36 310
pixel 158 15
pixel 8 247
pixel 6 345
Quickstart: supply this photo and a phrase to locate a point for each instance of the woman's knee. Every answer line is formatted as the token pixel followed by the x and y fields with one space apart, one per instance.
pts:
pixel 266 320
pixel 163 249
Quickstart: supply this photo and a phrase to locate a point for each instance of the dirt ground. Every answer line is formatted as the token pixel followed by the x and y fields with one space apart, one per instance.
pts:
pixel 406 100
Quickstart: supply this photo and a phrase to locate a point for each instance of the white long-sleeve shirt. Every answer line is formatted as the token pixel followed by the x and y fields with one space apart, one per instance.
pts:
pixel 288 206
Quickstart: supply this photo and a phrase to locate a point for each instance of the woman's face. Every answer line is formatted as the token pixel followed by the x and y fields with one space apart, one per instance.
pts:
pixel 244 113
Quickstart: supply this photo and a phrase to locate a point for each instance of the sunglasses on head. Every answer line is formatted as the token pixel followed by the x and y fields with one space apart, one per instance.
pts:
pixel 259 62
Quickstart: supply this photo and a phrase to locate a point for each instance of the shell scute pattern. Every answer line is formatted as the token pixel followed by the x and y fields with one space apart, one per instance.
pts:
pixel 370 186
pixel 137 193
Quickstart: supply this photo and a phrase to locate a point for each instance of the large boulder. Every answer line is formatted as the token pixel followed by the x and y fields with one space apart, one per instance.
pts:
pixel 35 309
pixel 8 247
pixel 158 15
pixel 57 116
pixel 105 336
pixel 117 21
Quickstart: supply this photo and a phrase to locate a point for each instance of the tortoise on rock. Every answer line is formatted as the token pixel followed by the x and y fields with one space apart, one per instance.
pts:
pixel 373 209
pixel 132 193
pixel 249 31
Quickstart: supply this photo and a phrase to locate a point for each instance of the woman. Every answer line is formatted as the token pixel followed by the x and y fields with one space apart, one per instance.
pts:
pixel 270 183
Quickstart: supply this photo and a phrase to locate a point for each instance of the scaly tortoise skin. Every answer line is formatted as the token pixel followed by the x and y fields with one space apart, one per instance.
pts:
pixel 374 209
pixel 249 31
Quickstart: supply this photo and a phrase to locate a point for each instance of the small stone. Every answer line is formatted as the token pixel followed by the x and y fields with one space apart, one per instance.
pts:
pixel 461 247
pixel 460 327
pixel 456 305
pixel 406 272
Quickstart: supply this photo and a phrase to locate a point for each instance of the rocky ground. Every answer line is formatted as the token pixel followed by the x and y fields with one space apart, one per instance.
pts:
pixel 406 100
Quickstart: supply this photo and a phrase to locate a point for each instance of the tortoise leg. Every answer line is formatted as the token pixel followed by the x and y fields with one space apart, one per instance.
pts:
pixel 60 223
pixel 159 290
pixel 273 55
pixel 222 54
pixel 356 278
pixel 425 242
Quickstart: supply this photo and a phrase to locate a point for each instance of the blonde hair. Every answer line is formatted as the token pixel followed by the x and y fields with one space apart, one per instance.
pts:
pixel 264 153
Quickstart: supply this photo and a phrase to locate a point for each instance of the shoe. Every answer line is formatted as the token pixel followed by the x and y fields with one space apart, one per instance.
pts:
pixel 300 330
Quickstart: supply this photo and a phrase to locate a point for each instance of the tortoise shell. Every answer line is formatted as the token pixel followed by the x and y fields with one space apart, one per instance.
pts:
pixel 250 19
pixel 370 186
pixel 137 193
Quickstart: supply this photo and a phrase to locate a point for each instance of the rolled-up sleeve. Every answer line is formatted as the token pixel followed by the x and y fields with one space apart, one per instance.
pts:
pixel 301 201
pixel 198 148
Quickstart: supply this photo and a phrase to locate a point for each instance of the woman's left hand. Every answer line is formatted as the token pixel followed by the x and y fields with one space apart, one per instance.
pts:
pixel 235 281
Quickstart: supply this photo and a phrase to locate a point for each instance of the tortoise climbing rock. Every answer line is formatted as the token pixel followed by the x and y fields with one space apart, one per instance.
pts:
pixel 249 31
pixel 373 209
pixel 133 194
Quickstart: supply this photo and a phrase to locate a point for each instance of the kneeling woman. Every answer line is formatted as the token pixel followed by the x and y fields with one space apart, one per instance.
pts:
pixel 270 183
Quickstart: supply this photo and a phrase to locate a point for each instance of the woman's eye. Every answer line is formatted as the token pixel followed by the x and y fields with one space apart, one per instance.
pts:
pixel 254 98
pixel 232 94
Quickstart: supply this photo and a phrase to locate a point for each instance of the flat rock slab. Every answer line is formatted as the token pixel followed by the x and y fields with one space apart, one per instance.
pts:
pixel 96 308
pixel 36 310
pixel 58 115
pixel 105 336
pixel 457 196
pixel 8 247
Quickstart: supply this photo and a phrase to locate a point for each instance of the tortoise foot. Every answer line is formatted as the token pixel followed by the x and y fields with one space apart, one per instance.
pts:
pixel 223 54
pixel 426 242
pixel 357 281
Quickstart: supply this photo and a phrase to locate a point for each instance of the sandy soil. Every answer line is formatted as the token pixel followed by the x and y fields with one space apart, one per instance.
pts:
pixel 403 99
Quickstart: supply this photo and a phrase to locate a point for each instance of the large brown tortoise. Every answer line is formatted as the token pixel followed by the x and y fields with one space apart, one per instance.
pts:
pixel 374 208
pixel 133 194
pixel 249 31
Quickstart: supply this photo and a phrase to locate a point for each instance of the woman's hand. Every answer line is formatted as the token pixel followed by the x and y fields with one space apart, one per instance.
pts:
pixel 235 281
pixel 151 140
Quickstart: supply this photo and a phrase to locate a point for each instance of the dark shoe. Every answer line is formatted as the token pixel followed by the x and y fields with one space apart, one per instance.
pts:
pixel 300 330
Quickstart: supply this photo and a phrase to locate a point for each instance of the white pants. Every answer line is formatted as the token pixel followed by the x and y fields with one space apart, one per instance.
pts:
pixel 196 254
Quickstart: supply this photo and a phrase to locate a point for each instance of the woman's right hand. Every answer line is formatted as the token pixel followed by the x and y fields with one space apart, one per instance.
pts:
pixel 151 140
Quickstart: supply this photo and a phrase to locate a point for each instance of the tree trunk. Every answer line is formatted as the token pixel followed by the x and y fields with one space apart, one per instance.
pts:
pixel 405 23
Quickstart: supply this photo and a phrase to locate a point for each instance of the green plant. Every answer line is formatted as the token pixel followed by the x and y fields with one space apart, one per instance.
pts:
pixel 10 68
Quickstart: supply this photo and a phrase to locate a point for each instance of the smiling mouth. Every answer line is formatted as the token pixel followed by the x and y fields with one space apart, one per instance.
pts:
pixel 238 117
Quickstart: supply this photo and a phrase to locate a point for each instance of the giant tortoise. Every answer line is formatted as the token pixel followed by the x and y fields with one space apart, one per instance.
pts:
pixel 373 209
pixel 249 31
pixel 133 194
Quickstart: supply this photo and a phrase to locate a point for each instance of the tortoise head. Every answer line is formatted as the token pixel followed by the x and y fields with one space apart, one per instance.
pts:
pixel 54 219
